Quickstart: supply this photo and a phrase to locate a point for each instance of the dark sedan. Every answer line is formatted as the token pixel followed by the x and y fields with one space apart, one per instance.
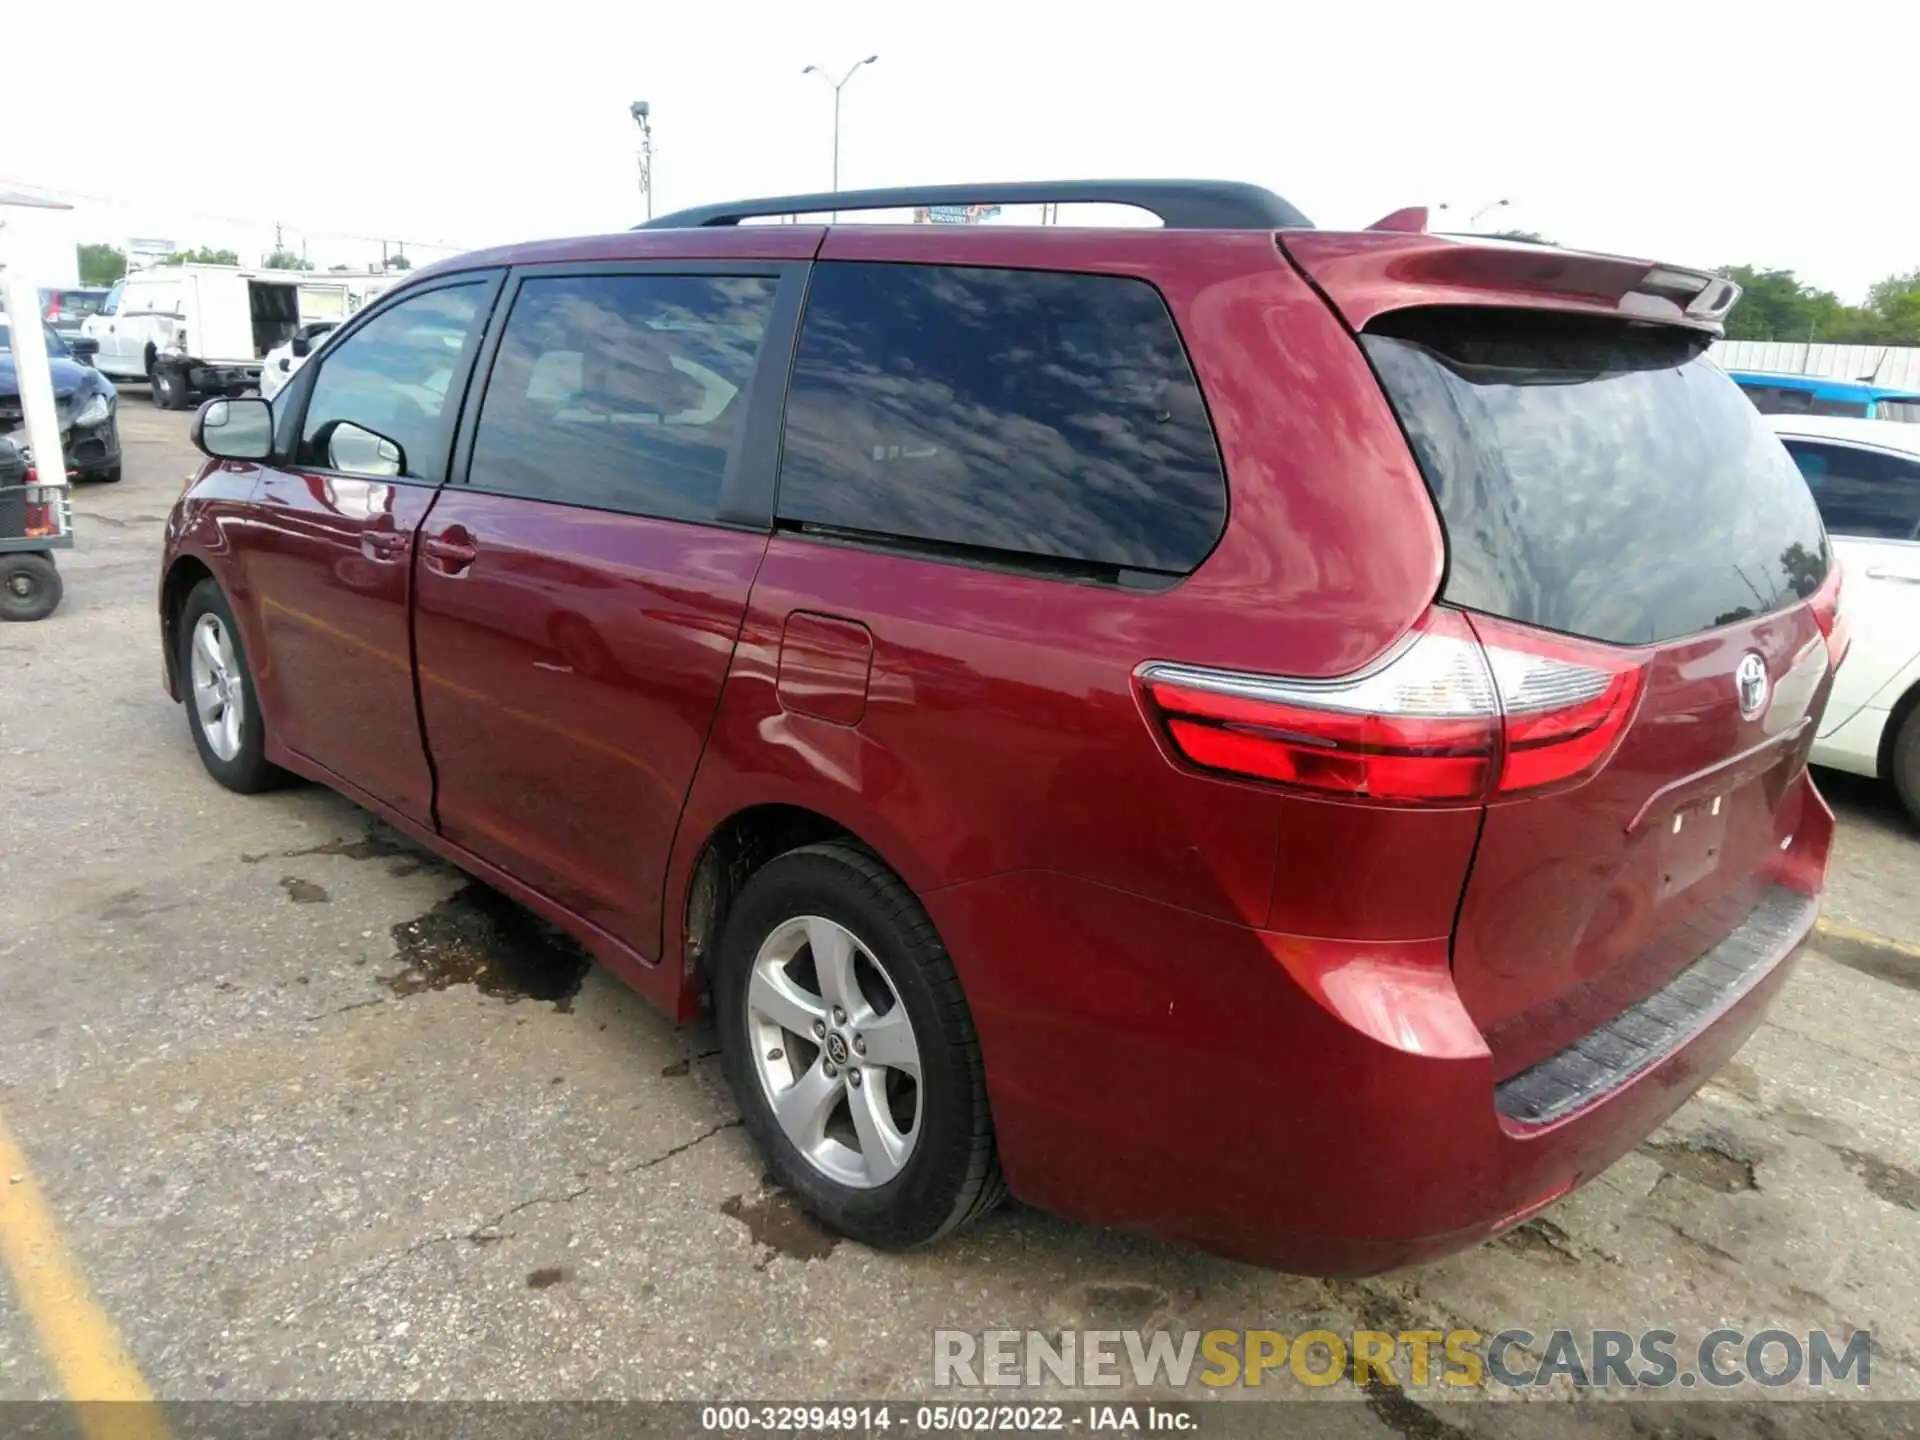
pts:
pixel 87 404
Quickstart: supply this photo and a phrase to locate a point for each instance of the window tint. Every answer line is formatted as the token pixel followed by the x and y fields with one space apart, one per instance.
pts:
pixel 1861 492
pixel 1024 412
pixel 391 377
pixel 623 392
pixel 111 305
pixel 1597 478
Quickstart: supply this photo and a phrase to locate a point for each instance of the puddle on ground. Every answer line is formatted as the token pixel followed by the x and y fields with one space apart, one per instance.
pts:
pixel 776 1221
pixel 544 1279
pixel 302 892
pixel 1892 1183
pixel 478 937
pixel 374 845
pixel 1704 1162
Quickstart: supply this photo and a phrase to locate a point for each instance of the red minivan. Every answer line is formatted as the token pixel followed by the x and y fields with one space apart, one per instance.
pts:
pixel 1290 740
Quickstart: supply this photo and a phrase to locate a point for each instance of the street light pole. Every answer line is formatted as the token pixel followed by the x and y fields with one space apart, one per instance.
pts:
pixel 642 114
pixel 838 86
pixel 1474 219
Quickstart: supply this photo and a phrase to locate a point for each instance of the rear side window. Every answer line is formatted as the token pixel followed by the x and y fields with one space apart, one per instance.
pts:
pixel 1597 478
pixel 621 392
pixel 1004 414
pixel 1867 493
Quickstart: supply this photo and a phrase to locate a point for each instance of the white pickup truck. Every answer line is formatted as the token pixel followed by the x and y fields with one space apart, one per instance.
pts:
pixel 206 329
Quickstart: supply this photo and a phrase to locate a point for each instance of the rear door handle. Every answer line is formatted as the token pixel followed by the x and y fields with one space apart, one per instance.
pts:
pixel 452 549
pixel 1903 577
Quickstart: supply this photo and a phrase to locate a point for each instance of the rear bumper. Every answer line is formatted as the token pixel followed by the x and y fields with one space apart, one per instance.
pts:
pixel 210 375
pixel 1313 1105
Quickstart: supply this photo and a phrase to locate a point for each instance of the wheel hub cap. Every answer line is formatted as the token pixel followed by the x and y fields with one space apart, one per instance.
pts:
pixel 218 703
pixel 836 1055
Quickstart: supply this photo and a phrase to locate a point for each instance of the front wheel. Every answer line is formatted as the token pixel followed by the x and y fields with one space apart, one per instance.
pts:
pixel 1906 763
pixel 30 586
pixel 851 1050
pixel 223 710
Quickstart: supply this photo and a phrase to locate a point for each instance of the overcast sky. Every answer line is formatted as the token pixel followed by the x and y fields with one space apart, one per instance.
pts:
pixel 1701 132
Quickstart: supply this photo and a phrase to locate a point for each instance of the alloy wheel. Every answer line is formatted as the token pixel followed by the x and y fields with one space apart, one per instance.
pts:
pixel 835 1051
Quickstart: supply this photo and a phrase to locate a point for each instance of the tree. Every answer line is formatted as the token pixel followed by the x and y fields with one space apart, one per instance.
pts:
pixel 205 255
pixel 397 261
pixel 282 258
pixel 101 264
pixel 1774 305
pixel 1894 310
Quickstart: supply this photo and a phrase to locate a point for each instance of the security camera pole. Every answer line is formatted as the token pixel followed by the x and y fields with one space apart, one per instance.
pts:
pixel 642 113
pixel 32 370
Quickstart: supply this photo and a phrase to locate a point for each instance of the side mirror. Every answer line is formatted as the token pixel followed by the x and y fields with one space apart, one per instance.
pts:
pixel 354 451
pixel 84 347
pixel 238 429
pixel 302 346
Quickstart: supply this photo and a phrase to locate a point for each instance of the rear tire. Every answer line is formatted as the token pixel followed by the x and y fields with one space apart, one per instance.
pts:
pixel 169 390
pixel 106 477
pixel 929 1091
pixel 223 709
pixel 30 587
pixel 1906 763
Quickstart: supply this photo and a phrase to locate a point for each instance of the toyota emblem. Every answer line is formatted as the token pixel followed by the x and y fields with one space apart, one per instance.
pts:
pixel 1750 683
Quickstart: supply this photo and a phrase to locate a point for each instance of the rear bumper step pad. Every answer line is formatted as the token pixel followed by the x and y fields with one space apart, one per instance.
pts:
pixel 1645 1033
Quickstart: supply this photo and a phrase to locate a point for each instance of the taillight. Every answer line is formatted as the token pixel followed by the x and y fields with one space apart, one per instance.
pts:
pixel 1447 718
pixel 1825 604
pixel 1565 704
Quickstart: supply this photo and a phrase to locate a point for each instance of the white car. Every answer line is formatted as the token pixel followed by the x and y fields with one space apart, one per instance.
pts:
pixel 1865 476
pixel 283 362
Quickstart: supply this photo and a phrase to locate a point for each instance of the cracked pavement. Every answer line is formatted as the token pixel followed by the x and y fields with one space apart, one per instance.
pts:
pixel 320 1119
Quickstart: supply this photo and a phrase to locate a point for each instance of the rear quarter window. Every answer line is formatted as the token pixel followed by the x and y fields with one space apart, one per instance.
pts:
pixel 1597 478
pixel 1001 413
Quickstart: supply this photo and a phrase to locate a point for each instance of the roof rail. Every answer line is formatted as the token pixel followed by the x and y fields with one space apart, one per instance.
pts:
pixel 1180 204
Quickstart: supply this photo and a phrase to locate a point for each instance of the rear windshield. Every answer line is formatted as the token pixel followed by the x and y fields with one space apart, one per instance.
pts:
pixel 74 302
pixel 1597 478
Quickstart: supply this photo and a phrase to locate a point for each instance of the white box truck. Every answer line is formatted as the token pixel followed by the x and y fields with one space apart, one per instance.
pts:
pixel 206 329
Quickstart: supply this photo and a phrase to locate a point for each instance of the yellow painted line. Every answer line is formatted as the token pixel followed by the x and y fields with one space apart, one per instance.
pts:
pixel 1836 930
pixel 112 1401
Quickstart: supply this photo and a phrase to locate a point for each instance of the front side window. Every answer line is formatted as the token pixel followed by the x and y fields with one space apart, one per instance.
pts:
pixel 1865 493
pixel 621 392
pixel 1008 415
pixel 389 379
pixel 111 305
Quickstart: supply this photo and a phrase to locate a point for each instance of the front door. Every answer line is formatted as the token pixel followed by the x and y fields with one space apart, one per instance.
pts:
pixel 104 326
pixel 329 559
pixel 580 594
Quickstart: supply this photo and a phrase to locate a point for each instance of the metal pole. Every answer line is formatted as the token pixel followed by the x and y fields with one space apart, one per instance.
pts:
pixel 34 374
pixel 836 133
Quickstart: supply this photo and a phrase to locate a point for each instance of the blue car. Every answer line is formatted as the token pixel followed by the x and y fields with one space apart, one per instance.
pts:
pixel 1825 395
pixel 87 403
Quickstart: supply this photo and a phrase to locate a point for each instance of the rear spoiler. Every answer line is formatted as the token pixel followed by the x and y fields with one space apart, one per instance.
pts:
pixel 1396 264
